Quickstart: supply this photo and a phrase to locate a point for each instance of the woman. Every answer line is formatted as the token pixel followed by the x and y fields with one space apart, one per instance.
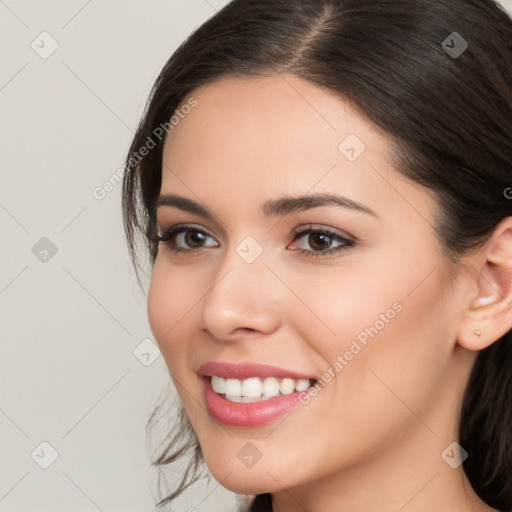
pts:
pixel 326 203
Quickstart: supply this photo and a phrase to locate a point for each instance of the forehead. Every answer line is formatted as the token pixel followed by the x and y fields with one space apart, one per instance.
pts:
pixel 263 137
pixel 278 115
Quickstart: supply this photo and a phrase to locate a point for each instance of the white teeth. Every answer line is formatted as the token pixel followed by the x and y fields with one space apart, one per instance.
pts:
pixel 287 386
pixel 219 384
pixel 251 387
pixel 302 385
pixel 270 387
pixel 254 389
pixel 233 387
pixel 243 399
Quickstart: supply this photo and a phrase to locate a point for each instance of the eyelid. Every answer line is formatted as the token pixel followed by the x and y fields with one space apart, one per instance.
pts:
pixel 166 235
pixel 324 229
pixel 295 232
pixel 346 242
pixel 183 227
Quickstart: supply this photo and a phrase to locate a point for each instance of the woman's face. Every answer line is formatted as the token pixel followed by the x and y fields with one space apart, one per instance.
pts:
pixel 373 320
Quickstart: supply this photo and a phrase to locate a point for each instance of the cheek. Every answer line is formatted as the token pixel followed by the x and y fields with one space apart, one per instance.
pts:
pixel 402 363
pixel 335 306
pixel 170 305
pixel 392 329
pixel 170 302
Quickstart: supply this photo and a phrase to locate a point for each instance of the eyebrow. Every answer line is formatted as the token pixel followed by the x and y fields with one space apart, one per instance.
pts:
pixel 272 208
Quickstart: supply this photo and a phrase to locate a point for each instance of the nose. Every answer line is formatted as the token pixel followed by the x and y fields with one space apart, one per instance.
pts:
pixel 242 299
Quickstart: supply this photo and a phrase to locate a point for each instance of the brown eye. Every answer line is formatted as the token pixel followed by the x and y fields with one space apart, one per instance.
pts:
pixel 185 239
pixel 319 241
pixel 194 238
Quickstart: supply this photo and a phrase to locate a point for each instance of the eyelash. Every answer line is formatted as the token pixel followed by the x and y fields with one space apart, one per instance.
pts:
pixel 170 234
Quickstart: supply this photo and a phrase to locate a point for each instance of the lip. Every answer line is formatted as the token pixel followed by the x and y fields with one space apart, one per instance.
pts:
pixel 246 370
pixel 253 414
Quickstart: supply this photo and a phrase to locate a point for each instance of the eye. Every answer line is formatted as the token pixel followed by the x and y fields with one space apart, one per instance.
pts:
pixel 320 240
pixel 185 238
pixel 188 239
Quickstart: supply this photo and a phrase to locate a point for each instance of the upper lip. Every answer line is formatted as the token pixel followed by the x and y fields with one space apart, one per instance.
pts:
pixel 246 370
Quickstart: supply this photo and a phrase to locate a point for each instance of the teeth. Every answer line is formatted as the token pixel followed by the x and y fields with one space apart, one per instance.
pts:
pixel 270 387
pixel 233 387
pixel 254 389
pixel 219 384
pixel 302 385
pixel 287 386
pixel 251 388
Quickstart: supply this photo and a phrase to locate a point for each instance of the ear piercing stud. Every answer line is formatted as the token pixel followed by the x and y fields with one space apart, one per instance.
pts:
pixel 477 333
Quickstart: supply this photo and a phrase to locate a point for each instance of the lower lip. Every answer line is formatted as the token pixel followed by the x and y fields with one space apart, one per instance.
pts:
pixel 248 415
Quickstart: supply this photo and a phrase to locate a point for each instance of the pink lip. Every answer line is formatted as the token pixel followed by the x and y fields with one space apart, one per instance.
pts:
pixel 251 414
pixel 246 370
pixel 247 415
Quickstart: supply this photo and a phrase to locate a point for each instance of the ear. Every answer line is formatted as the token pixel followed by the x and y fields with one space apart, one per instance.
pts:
pixel 489 311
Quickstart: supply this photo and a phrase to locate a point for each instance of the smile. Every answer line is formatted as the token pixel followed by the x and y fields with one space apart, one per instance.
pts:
pixel 255 389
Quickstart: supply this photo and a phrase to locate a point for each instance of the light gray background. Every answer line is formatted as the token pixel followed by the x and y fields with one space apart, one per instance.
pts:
pixel 71 326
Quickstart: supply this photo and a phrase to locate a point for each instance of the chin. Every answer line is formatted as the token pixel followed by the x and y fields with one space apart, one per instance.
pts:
pixel 240 480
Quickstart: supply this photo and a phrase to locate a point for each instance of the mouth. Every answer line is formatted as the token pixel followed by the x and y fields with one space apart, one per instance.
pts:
pixel 257 389
pixel 249 394
pixel 229 405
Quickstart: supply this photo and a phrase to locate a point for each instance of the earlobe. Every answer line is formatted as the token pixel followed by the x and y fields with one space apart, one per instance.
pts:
pixel 489 313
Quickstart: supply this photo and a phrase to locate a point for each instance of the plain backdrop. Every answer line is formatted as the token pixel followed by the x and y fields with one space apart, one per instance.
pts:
pixel 79 370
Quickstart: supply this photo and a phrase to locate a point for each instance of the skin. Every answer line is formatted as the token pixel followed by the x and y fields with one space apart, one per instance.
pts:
pixel 372 438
